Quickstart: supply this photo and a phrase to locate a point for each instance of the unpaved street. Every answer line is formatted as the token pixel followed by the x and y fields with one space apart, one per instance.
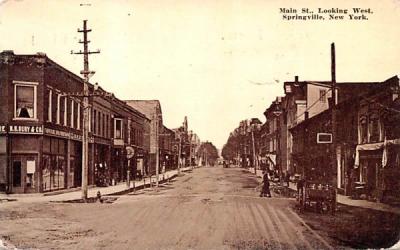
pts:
pixel 210 208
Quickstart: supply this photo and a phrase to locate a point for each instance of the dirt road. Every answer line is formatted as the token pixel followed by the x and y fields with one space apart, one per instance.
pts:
pixel 210 208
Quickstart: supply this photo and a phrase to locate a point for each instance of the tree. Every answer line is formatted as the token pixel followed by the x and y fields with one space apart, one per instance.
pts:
pixel 208 152
pixel 230 149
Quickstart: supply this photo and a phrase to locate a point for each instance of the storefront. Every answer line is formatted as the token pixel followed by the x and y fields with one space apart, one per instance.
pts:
pixel 102 162
pixel 3 162
pixel 375 166
pixel 21 171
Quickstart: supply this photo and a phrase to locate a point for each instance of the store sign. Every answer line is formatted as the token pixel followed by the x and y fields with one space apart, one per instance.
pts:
pixel 324 138
pixel 58 133
pixel 3 129
pixel 26 130
pixel 63 134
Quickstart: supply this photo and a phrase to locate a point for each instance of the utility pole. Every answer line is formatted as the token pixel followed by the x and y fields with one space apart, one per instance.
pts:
pixel 254 149
pixel 157 150
pixel 190 148
pixel 334 125
pixel 180 152
pixel 85 133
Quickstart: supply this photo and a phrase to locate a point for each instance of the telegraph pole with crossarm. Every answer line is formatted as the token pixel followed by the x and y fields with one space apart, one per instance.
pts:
pixel 86 73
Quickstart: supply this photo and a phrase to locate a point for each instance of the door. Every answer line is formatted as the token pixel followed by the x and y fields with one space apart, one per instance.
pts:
pixel 24 174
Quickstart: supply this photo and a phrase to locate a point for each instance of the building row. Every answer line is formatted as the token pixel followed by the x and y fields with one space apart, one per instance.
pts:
pixel 41 120
pixel 297 139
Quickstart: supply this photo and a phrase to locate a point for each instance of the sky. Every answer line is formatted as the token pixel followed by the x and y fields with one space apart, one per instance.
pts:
pixel 216 62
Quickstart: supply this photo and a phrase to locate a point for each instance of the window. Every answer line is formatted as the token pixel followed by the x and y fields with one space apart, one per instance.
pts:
pixel 25 100
pixel 65 112
pixel 107 124
pixel 78 119
pixel 89 113
pixel 94 121
pixel 374 128
pixel 104 126
pixel 118 129
pixel 49 107
pixel 363 130
pixel 98 123
pixel 322 95
pixel 72 113
pixel 58 108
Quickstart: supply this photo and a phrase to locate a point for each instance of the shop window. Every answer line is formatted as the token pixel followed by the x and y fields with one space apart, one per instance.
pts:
pixel 17 171
pixel 30 173
pixel 46 172
pixel 25 100
pixel 118 129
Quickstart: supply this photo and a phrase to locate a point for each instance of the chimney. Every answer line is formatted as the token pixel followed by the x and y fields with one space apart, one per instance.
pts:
pixel 296 79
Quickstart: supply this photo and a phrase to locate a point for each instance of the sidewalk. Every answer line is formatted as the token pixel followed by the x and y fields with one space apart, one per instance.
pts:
pixel 75 194
pixel 345 200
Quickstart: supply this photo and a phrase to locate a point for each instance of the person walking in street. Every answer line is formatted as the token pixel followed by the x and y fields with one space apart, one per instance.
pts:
pixel 265 189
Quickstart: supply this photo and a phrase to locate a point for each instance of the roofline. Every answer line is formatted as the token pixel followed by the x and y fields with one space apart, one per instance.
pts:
pixel 80 79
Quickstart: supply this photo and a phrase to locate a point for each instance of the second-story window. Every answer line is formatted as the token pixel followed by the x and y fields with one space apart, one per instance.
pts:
pixel 49 106
pixel 118 134
pixel 62 110
pixel 25 100
pixel 94 121
pixel 363 130
pixel 374 129
pixel 58 108
pixel 107 126
pixel 78 117
pixel 89 110
pixel 72 113
pixel 65 111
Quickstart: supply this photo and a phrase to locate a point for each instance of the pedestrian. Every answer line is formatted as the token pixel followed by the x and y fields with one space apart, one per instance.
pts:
pixel 300 187
pixel 265 189
pixel 287 179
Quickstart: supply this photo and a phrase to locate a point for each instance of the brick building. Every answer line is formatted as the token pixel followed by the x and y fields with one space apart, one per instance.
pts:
pixel 41 127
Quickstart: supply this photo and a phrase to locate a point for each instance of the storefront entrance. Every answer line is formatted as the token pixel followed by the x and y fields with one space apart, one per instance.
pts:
pixel 24 174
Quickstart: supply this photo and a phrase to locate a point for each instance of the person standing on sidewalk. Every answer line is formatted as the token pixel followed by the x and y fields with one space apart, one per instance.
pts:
pixel 265 189
pixel 287 178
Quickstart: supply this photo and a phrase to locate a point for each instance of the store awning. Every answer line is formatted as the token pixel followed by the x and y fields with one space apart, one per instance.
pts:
pixel 375 146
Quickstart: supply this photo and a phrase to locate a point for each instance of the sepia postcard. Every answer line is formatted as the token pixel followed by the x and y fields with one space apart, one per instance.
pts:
pixel 199 124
